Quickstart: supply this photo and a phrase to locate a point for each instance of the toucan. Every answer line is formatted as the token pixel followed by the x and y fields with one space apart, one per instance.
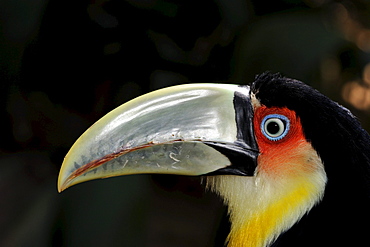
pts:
pixel 291 164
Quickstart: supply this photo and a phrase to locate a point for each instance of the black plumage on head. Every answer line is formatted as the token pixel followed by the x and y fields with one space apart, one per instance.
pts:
pixel 344 147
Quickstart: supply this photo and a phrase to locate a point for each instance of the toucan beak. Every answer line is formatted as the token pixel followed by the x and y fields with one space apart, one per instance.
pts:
pixel 194 129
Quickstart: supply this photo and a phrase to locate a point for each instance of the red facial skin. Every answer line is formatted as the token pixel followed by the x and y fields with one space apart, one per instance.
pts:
pixel 278 157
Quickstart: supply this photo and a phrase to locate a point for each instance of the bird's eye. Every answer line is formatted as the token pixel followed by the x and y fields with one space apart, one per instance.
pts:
pixel 275 126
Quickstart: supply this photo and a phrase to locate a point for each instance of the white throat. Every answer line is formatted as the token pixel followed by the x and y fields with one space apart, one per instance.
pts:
pixel 263 206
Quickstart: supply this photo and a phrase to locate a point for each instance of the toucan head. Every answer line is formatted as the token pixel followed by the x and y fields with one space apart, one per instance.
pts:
pixel 251 144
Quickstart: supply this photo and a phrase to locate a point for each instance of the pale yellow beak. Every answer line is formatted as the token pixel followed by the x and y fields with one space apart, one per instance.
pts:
pixel 177 130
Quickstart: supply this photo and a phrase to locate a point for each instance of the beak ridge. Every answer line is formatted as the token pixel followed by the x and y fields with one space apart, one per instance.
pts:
pixel 187 130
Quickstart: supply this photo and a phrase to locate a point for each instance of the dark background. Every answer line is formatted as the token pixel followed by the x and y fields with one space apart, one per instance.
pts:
pixel 64 64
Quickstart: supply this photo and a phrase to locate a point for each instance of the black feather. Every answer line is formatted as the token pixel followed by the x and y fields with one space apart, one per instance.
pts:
pixel 342 218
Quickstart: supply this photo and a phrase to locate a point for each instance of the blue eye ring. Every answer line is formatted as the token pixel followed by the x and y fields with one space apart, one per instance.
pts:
pixel 275 126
